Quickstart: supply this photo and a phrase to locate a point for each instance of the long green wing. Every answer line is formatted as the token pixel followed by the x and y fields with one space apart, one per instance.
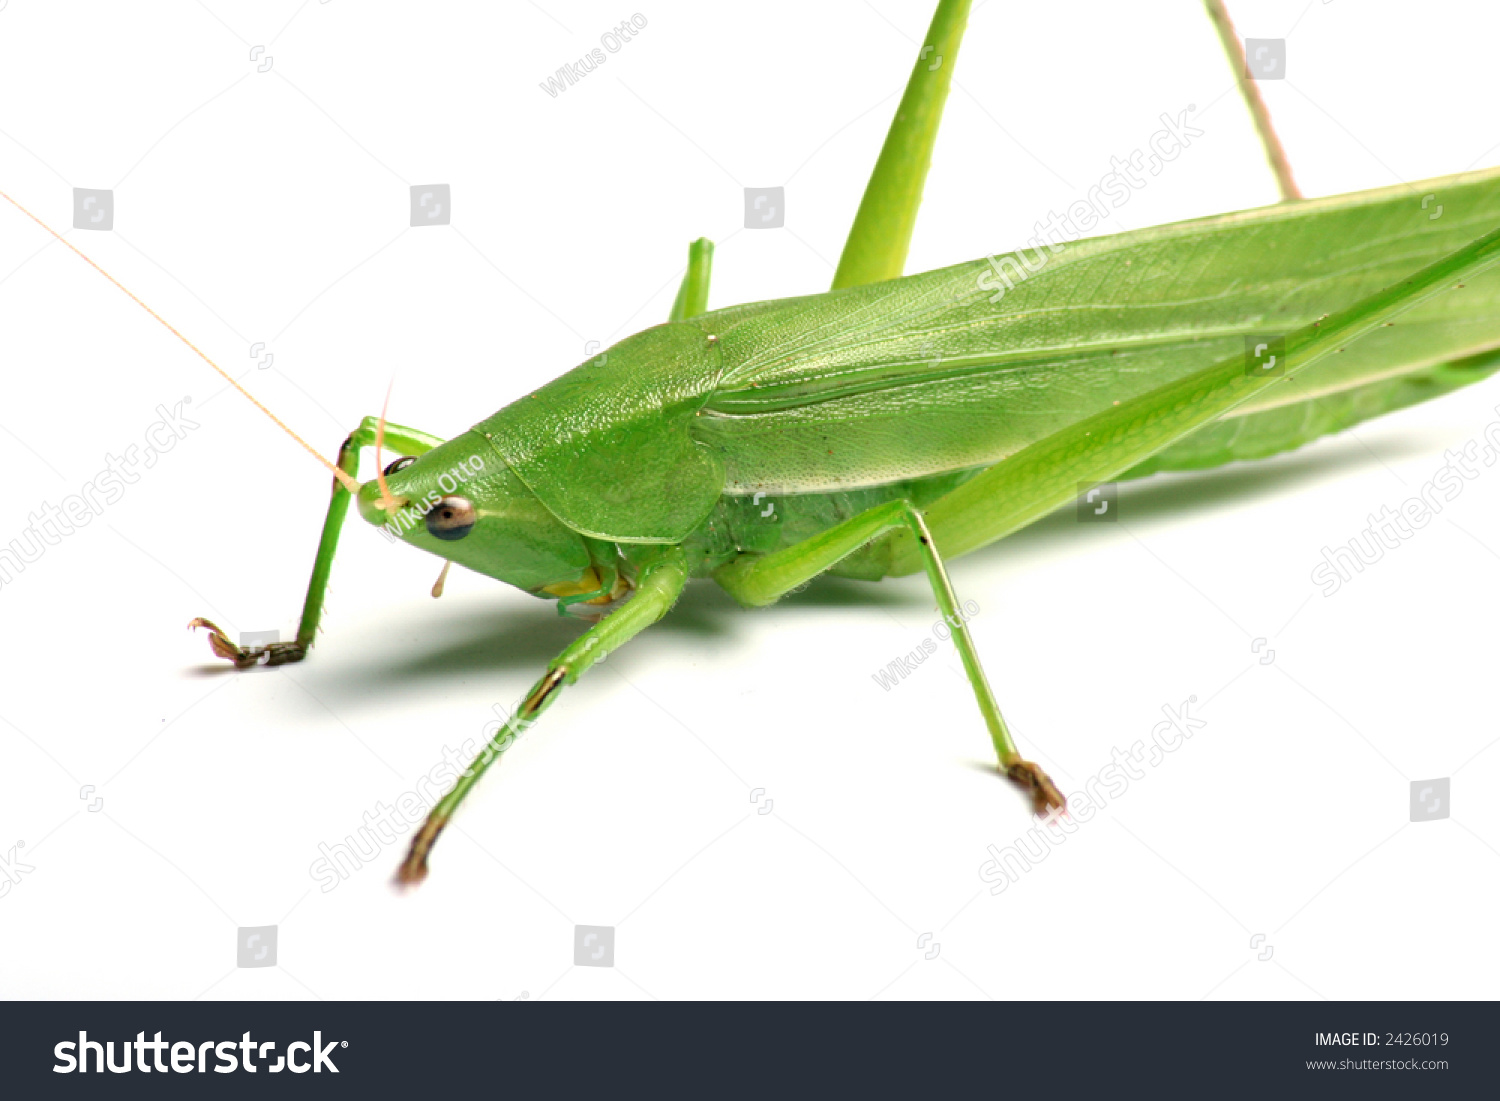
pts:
pixel 1029 484
pixel 928 373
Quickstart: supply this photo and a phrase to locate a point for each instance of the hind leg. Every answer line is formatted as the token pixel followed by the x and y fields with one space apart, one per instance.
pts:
pixel 761 579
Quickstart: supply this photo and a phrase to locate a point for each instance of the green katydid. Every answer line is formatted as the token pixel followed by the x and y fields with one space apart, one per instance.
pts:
pixel 900 421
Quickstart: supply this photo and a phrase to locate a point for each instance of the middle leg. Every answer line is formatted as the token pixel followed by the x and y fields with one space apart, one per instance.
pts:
pixel 663 573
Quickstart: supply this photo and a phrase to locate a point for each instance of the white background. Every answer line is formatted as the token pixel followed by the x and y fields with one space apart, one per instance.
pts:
pixel 273 207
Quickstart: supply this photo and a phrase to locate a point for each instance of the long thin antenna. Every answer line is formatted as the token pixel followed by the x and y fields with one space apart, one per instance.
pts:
pixel 1235 50
pixel 387 502
pixel 344 478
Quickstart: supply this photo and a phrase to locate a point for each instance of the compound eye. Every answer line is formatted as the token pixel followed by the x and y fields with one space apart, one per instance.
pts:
pixel 399 464
pixel 451 518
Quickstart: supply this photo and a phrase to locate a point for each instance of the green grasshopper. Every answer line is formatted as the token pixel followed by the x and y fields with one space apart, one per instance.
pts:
pixel 901 421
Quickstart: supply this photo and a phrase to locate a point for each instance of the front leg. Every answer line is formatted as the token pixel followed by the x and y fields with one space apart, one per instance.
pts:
pixel 403 441
pixel 662 575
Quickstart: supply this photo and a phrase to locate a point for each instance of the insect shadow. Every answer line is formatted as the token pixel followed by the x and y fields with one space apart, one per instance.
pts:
pixel 525 637
pixel 509 636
